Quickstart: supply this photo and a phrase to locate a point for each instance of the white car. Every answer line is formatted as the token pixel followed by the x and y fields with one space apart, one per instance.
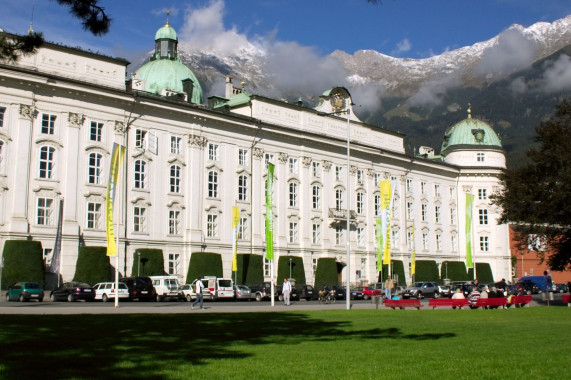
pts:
pixel 106 290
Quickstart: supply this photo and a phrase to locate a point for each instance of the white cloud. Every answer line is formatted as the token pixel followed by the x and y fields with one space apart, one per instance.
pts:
pixel 402 47
pixel 557 76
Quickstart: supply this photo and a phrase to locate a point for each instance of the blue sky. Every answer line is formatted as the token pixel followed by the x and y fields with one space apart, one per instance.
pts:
pixel 400 28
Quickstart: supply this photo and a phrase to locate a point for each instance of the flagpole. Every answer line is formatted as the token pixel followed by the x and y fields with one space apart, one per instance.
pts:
pixel 117 253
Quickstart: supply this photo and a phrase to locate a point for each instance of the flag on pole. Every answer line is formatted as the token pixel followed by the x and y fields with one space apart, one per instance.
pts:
pixel 235 224
pixel 116 158
pixel 56 255
pixel 379 240
pixel 386 206
pixel 413 258
pixel 469 202
pixel 269 213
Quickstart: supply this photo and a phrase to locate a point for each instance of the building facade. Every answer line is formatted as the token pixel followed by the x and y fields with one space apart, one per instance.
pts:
pixel 187 164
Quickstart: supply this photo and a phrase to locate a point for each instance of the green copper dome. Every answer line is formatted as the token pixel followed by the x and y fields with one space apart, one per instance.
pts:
pixel 166 32
pixel 470 133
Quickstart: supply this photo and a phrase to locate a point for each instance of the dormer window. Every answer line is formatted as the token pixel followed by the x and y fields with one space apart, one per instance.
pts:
pixel 478 134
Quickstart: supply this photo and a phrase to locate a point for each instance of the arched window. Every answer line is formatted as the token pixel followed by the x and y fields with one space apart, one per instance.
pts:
pixel 95 168
pixel 175 179
pixel 140 174
pixel 47 162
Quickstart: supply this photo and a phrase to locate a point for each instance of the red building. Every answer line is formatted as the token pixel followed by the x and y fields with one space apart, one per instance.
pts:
pixel 528 263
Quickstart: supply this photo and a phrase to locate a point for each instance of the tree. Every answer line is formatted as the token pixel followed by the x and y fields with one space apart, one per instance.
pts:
pixel 92 16
pixel 535 198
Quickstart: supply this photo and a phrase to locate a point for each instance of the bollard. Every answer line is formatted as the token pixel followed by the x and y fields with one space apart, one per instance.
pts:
pixel 376 301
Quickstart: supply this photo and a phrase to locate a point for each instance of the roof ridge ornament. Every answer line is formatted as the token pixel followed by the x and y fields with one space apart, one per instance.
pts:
pixel 168 15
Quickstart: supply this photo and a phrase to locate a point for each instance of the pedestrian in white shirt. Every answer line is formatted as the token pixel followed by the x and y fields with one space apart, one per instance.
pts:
pixel 286 290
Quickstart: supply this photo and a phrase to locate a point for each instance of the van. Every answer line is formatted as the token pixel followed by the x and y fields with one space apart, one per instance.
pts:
pixel 544 283
pixel 166 287
pixel 140 288
pixel 219 287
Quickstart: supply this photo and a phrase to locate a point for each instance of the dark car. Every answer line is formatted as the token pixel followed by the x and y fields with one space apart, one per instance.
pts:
pixel 25 291
pixel 527 287
pixel 73 291
pixel 140 288
pixel 339 291
pixel 356 294
pixel 306 292
pixel 262 290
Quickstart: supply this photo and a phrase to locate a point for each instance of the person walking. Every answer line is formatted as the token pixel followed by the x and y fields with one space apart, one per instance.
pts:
pixel 286 290
pixel 388 287
pixel 198 286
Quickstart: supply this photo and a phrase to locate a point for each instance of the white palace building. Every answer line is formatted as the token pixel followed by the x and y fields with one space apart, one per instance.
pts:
pixel 187 164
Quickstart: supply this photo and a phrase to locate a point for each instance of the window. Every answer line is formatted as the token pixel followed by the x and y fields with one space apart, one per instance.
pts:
pixel 424 212
pixel 483 216
pixel 425 241
pixel 95 168
pixel 409 210
pixel 378 179
pixel 436 190
pixel 174 222
pixel 423 187
pixel 360 236
pixel 174 179
pixel 408 185
pixel 2 156
pixel 452 191
pixel 211 225
pixel 242 188
pixel 44 212
pixel 140 174
pixel 360 203
pixel 293 195
pixel 174 263
pixel 2 113
pixel 338 235
pixel 410 240
pixel 394 185
pixel 484 243
pixel 316 197
pixel 47 255
pixel 268 158
pixel 139 219
pixel 94 215
pixel 293 232
pixel 213 152
pixel 339 199
pixel 360 177
pixel 313 266
pixel 243 157
pixel 316 233
pixel 377 205
pixel 437 214
pixel 395 241
pixel 48 124
pixel 338 173
pixel 243 228
pixel 438 242
pixel 454 243
pixel 453 215
pixel 47 162
pixel 482 194
pixel 267 267
pixel 212 184
pixel 293 165
pixel 140 136
pixel 176 147
pixel 96 131
pixel 316 169
pixel 480 157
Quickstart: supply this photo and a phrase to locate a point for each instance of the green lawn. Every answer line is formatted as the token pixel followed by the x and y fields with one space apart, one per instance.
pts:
pixel 527 343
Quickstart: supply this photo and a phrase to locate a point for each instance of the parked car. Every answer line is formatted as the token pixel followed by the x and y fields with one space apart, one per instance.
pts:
pixel 306 292
pixel 466 288
pixel 527 287
pixel 370 292
pixel 421 290
pixel 338 291
pixel 140 288
pixel 106 290
pixel 25 291
pixel 444 291
pixel 242 292
pixel 398 290
pixel 73 291
pixel 262 290
pixel 186 292
pixel 356 294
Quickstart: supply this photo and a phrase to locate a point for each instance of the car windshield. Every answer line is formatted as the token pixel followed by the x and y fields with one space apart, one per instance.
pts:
pixel 417 284
pixel 225 283
pixel 33 285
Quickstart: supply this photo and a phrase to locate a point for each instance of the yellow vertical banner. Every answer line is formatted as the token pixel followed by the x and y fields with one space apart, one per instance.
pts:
pixel 413 258
pixel 235 224
pixel 116 159
pixel 386 205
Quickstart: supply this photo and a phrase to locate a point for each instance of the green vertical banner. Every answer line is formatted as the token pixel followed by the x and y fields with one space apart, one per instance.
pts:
pixel 469 203
pixel 379 241
pixel 270 213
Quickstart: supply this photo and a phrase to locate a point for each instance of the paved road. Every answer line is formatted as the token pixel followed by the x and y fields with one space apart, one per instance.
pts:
pixel 55 308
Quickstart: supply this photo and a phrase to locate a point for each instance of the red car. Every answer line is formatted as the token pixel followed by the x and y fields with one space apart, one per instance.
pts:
pixel 369 292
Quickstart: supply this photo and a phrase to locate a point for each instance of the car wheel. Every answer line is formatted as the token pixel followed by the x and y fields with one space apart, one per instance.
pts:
pixel 189 298
pixel 419 295
pixel 40 300
pixel 258 297
pixel 53 297
pixel 280 297
pixel 22 299
pixel 158 298
pixel 104 298
pixel 70 298
pixel 7 297
pixel 365 297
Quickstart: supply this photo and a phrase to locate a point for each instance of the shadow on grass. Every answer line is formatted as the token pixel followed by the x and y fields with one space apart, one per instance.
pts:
pixel 142 345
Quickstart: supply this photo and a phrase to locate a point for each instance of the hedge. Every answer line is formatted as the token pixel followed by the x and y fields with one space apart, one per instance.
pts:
pixel 250 269
pixel 426 270
pixel 297 269
pixel 454 270
pixel 93 265
pixel 204 264
pixel 483 273
pixel 326 272
pixel 23 261
pixel 154 264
